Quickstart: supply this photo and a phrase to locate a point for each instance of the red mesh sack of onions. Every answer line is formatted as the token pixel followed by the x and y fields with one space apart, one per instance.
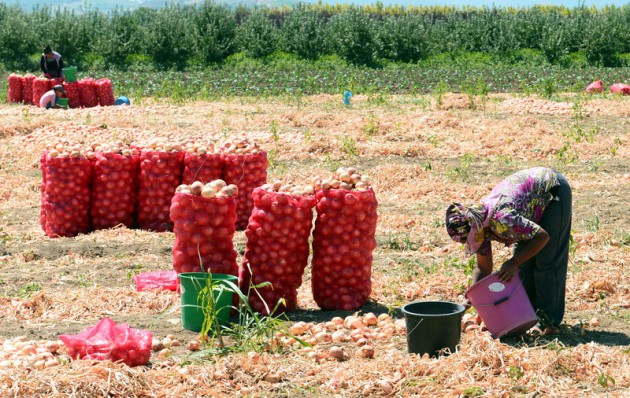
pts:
pixel 73 92
pixel 114 185
pixel 160 175
pixel 245 167
pixel 66 193
pixel 27 88
pixel 87 88
pixel 40 87
pixel 105 92
pixel 42 189
pixel 204 217
pixel 202 163
pixel 343 242
pixel 277 246
pixel 16 83
pixel 55 81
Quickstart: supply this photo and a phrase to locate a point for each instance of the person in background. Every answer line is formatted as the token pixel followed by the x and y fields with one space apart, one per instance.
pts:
pixel 51 63
pixel 532 210
pixel 49 100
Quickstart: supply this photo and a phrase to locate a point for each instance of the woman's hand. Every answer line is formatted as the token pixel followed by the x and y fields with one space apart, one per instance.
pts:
pixel 507 271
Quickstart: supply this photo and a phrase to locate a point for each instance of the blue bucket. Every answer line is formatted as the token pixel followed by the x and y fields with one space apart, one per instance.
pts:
pixel 122 100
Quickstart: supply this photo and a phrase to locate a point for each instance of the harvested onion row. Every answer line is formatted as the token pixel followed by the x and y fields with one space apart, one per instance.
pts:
pixel 20 353
pixel 343 178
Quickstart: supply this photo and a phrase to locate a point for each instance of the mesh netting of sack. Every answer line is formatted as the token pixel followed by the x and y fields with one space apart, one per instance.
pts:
pixel 66 198
pixel 40 86
pixel 277 249
pixel 16 83
pixel 87 88
pixel 204 232
pixel 114 186
pixel 343 241
pixel 55 81
pixel 105 92
pixel 73 92
pixel 247 171
pixel 205 167
pixel 27 88
pixel 42 190
pixel 160 174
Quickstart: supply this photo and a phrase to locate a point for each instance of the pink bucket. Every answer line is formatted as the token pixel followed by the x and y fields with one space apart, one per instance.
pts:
pixel 503 306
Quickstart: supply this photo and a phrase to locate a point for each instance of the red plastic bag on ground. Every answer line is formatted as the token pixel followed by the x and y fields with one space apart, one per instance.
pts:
pixel 595 87
pixel 157 280
pixel 40 86
pixel 343 242
pixel 16 83
pixel 247 171
pixel 204 227
pixel 277 248
pixel 87 88
pixel 73 92
pixel 160 174
pixel 114 186
pixel 202 167
pixel 620 88
pixel 66 195
pixel 108 341
pixel 105 92
pixel 27 88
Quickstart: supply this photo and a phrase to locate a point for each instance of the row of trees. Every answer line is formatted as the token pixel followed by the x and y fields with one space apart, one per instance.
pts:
pixel 177 36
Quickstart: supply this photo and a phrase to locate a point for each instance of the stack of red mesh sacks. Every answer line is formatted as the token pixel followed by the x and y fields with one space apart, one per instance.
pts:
pixel 104 92
pixel 87 89
pixel 66 194
pixel 16 83
pixel 73 92
pixel 277 249
pixel 204 230
pixel 160 174
pixel 114 186
pixel 27 88
pixel 40 86
pixel 343 242
pixel 247 171
pixel 199 165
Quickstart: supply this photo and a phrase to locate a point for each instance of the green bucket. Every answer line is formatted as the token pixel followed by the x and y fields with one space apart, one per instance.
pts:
pixel 194 288
pixel 62 101
pixel 70 73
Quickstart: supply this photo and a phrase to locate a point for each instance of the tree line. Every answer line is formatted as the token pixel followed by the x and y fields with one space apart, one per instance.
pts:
pixel 207 34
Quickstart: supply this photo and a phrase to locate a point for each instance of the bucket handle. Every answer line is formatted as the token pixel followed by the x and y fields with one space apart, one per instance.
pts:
pixel 499 301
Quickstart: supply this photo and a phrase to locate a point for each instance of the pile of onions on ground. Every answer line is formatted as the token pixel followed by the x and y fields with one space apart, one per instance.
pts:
pixel 202 162
pixel 161 165
pixel 245 167
pixel 114 185
pixel 343 240
pixel 20 352
pixel 204 217
pixel 277 245
pixel 16 83
pixel 66 194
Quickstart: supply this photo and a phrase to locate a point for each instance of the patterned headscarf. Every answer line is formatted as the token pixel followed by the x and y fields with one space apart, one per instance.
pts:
pixel 466 224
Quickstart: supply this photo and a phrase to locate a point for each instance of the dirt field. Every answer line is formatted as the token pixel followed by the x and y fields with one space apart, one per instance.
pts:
pixel 420 155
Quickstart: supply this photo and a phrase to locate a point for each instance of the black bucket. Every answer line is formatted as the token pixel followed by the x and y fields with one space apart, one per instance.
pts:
pixel 433 326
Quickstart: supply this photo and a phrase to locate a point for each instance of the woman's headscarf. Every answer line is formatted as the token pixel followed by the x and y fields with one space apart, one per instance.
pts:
pixel 466 225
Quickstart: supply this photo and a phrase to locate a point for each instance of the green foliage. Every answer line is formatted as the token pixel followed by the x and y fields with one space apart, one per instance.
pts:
pixel 205 33
pixel 27 290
